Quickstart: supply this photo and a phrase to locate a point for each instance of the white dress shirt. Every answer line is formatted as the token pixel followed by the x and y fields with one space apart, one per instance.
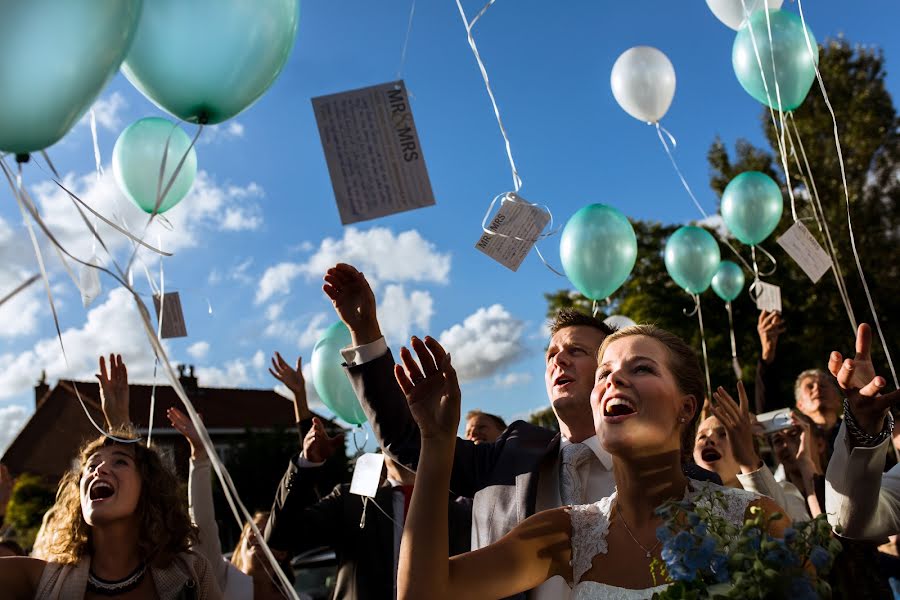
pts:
pixel 600 483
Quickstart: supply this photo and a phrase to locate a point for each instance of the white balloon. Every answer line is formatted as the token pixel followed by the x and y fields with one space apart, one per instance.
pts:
pixel 618 321
pixel 643 82
pixel 731 12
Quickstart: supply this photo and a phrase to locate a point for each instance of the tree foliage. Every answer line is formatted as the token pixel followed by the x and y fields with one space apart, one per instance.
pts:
pixel 31 497
pixel 816 318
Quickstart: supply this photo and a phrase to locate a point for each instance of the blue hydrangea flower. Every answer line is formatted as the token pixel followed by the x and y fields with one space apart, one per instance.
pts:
pixel 802 589
pixel 663 533
pixel 790 534
pixel 819 557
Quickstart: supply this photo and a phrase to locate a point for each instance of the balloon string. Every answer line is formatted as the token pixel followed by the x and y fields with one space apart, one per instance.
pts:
pixel 517 181
pixel 840 154
pixel 782 151
pixel 23 201
pixel 99 165
pixel 699 312
pixel 412 11
pixel 821 221
pixel 161 193
pixel 595 309
pixel 159 326
pixel 771 259
pixel 238 509
pixel 21 287
pixel 659 132
pixel 360 449
pixel 735 363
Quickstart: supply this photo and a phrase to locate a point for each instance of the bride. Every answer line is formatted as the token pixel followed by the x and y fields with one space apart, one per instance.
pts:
pixel 646 399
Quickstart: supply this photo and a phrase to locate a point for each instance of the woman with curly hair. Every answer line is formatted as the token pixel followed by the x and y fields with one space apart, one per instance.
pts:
pixel 120 528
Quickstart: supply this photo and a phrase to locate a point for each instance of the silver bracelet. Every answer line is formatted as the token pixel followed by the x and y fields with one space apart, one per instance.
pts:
pixel 860 437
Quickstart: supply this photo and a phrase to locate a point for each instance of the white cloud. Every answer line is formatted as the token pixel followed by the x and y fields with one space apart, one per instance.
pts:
pixel 717 224
pixel 382 256
pixel 198 350
pixel 512 380
pixel 273 311
pixel 107 112
pixel 234 373
pixel 377 252
pixel 397 313
pixel 259 360
pixel 113 326
pixel 12 418
pixel 484 342
pixel 209 206
pixel 19 316
pixel 226 132
pixel 277 281
pixel 314 330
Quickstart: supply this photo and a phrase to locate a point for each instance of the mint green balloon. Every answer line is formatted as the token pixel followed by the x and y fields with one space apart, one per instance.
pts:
pixel 728 281
pixel 138 155
pixel 751 206
pixel 598 249
pixel 205 61
pixel 692 257
pixel 795 67
pixel 329 378
pixel 57 57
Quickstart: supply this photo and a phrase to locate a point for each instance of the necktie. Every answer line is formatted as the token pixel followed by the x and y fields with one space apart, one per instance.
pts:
pixel 575 458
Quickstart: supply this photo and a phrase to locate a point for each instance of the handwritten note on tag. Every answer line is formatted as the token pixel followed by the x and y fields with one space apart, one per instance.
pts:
pixel 373 152
pixel 172 318
pixel 367 474
pixel 516 227
pixel 768 297
pixel 800 244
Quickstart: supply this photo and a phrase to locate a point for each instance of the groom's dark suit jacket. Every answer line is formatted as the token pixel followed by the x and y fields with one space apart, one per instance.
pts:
pixel 501 477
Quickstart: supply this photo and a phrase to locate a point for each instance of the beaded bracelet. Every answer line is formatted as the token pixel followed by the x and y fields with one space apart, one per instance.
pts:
pixel 860 437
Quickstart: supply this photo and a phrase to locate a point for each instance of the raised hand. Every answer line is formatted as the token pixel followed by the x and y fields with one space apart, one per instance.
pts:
pixel 353 302
pixel 318 446
pixel 862 387
pixel 293 379
pixel 806 451
pixel 735 418
pixel 185 426
pixel 114 391
pixel 769 326
pixel 432 391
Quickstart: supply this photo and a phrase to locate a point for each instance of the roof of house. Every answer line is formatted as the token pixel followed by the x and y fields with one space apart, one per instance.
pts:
pixel 48 441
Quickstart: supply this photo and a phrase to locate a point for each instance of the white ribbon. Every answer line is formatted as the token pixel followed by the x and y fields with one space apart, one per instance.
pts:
pixel 840 154
pixel 735 363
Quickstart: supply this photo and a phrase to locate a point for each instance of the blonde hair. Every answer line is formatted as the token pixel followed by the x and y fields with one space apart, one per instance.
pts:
pixel 163 519
pixel 684 365
pixel 237 557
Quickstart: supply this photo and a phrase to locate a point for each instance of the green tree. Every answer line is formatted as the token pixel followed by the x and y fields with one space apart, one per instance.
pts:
pixel 31 497
pixel 817 321
pixel 544 418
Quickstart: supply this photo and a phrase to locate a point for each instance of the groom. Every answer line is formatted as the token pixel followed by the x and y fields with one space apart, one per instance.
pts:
pixel 529 468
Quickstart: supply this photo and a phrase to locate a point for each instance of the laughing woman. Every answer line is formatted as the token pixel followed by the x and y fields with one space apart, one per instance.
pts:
pixel 646 399
pixel 121 528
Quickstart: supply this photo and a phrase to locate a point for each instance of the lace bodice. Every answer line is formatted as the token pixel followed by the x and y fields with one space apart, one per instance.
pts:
pixel 590 526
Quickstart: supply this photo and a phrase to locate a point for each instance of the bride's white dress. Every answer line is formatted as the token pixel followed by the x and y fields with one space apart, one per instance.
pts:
pixel 590 525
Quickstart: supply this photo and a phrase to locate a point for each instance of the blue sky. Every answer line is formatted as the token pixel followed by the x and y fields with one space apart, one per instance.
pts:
pixel 260 226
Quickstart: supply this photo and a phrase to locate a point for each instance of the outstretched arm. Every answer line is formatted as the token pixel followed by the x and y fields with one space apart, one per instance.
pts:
pixel 861 501
pixel 292 378
pixel 533 552
pixel 114 396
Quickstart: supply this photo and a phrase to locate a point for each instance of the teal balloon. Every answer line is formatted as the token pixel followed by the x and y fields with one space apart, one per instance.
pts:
pixel 728 281
pixel 692 257
pixel 598 249
pixel 329 378
pixel 57 57
pixel 205 61
pixel 795 67
pixel 138 155
pixel 751 206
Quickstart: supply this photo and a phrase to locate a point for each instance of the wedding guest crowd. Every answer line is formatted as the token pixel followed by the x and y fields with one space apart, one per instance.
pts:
pixel 504 510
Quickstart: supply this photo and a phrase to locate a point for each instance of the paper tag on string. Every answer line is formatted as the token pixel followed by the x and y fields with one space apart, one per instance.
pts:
pixel 518 225
pixel 367 474
pixel 800 245
pixel 172 318
pixel 373 152
pixel 768 297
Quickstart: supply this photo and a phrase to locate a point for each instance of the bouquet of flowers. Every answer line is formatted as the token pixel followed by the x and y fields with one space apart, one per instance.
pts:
pixel 704 556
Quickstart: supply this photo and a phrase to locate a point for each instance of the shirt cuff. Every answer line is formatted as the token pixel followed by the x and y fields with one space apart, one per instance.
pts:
pixel 357 355
pixel 302 462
